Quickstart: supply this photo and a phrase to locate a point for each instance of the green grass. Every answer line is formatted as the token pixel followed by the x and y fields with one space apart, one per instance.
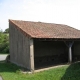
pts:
pixel 3 53
pixel 10 71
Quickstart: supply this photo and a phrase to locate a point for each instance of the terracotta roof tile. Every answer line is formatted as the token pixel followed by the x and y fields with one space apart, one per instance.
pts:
pixel 46 30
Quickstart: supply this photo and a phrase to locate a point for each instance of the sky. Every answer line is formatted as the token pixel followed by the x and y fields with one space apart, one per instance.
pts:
pixel 51 11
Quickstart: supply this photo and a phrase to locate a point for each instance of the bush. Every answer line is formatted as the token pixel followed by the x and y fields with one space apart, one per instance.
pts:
pixel 4 43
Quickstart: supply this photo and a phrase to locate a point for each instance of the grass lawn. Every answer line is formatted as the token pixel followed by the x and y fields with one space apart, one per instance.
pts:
pixel 4 53
pixel 12 72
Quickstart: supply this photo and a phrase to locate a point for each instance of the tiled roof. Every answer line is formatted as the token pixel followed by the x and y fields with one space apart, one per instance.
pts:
pixel 46 30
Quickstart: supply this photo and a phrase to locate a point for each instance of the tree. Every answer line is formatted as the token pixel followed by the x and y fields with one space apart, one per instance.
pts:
pixel 6 30
pixel 4 42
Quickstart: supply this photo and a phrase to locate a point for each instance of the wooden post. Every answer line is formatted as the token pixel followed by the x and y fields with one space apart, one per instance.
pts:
pixel 31 55
pixel 69 45
pixel 70 54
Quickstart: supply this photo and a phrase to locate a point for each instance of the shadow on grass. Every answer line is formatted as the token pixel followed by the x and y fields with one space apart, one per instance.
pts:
pixel 8 67
pixel 72 72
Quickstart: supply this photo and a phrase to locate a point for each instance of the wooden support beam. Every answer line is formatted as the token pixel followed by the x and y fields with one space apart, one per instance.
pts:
pixel 31 55
pixel 70 51
pixel 69 45
pixel 70 54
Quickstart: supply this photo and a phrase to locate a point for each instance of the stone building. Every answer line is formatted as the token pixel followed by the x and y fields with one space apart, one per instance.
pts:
pixel 35 45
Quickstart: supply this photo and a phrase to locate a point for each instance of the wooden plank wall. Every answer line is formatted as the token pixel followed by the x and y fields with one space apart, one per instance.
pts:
pixel 19 47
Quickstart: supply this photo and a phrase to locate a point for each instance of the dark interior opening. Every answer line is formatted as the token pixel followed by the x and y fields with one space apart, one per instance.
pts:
pixel 76 51
pixel 49 53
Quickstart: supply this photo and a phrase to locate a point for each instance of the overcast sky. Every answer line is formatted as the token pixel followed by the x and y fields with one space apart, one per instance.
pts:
pixel 51 11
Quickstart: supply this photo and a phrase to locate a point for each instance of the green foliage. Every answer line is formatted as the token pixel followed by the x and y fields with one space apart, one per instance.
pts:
pixel 4 43
pixel 6 30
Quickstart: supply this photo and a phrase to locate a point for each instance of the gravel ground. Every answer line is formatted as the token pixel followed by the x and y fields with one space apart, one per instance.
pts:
pixel 1 78
pixel 2 57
